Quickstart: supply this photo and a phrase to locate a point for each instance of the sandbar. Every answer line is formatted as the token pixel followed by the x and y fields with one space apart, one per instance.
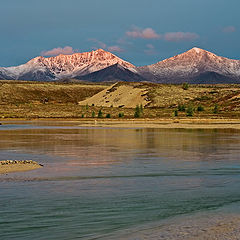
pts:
pixel 10 166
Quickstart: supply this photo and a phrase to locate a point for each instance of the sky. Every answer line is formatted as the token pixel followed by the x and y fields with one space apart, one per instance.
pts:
pixel 139 31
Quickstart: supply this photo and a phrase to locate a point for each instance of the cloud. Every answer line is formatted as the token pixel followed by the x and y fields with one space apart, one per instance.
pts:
pixel 150 49
pixel 115 49
pixel 56 51
pixel 150 46
pixel 229 29
pixel 180 36
pixel 147 33
pixel 99 43
pixel 124 41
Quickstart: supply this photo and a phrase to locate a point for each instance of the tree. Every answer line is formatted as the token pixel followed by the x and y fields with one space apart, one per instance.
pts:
pixel 200 108
pixel 100 114
pixel 141 109
pixel 176 113
pixel 120 115
pixel 137 113
pixel 189 111
pixel 93 114
pixel 185 86
pixel 108 115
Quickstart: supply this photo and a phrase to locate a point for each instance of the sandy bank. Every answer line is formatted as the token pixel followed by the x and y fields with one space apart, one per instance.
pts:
pixel 9 166
pixel 183 123
pixel 206 228
pixel 165 123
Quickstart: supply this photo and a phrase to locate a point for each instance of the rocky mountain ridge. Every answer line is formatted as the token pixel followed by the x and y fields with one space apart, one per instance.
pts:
pixel 64 66
pixel 193 66
pixel 190 65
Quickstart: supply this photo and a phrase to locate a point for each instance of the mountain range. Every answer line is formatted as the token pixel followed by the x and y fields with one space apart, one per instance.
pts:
pixel 193 66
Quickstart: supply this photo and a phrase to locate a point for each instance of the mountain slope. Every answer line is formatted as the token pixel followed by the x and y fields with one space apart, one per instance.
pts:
pixel 193 66
pixel 4 74
pixel 114 73
pixel 64 66
pixel 213 78
pixel 189 67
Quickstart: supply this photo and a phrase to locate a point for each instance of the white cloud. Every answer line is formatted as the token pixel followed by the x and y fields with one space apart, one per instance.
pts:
pixel 99 44
pixel 150 49
pixel 147 33
pixel 56 51
pixel 229 29
pixel 115 49
pixel 180 36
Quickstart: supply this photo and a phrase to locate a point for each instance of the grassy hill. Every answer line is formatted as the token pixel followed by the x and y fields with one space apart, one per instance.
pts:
pixel 37 92
pixel 19 99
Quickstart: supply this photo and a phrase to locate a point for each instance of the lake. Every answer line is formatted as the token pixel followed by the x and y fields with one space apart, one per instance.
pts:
pixel 106 182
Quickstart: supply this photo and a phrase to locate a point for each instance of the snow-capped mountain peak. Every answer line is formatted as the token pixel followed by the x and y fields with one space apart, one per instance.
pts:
pixel 195 65
pixel 66 66
pixel 190 64
pixel 197 50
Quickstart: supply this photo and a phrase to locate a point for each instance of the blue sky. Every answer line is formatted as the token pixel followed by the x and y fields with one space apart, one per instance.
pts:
pixel 139 31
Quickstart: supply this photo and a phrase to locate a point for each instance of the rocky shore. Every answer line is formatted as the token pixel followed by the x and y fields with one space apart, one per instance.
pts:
pixel 8 166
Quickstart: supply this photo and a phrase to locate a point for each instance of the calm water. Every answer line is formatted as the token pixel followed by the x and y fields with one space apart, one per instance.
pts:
pixel 98 182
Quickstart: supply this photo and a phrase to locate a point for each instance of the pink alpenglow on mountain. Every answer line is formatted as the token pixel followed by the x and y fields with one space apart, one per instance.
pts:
pixel 193 66
pixel 65 66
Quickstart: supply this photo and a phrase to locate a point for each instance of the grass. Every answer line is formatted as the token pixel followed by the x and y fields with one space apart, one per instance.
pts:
pixel 32 100
pixel 20 92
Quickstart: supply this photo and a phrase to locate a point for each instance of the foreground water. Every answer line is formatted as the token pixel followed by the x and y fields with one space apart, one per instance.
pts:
pixel 100 183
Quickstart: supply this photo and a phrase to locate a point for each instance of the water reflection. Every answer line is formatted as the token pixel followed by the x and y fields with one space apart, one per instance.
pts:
pixel 79 152
pixel 97 181
pixel 93 143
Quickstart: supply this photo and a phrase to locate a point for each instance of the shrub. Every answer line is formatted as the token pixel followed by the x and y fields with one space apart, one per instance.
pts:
pixel 185 86
pixel 200 108
pixel 100 114
pixel 181 108
pixel 120 115
pixel 82 116
pixel 216 109
pixel 108 115
pixel 93 114
pixel 176 113
pixel 189 111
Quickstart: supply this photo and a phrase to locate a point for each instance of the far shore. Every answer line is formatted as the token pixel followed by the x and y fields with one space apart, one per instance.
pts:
pixel 188 123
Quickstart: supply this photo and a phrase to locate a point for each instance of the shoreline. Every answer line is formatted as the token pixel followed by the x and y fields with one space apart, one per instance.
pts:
pixel 181 123
pixel 220 226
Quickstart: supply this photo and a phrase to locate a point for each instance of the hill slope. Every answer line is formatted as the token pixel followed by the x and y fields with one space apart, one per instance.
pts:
pixel 126 95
